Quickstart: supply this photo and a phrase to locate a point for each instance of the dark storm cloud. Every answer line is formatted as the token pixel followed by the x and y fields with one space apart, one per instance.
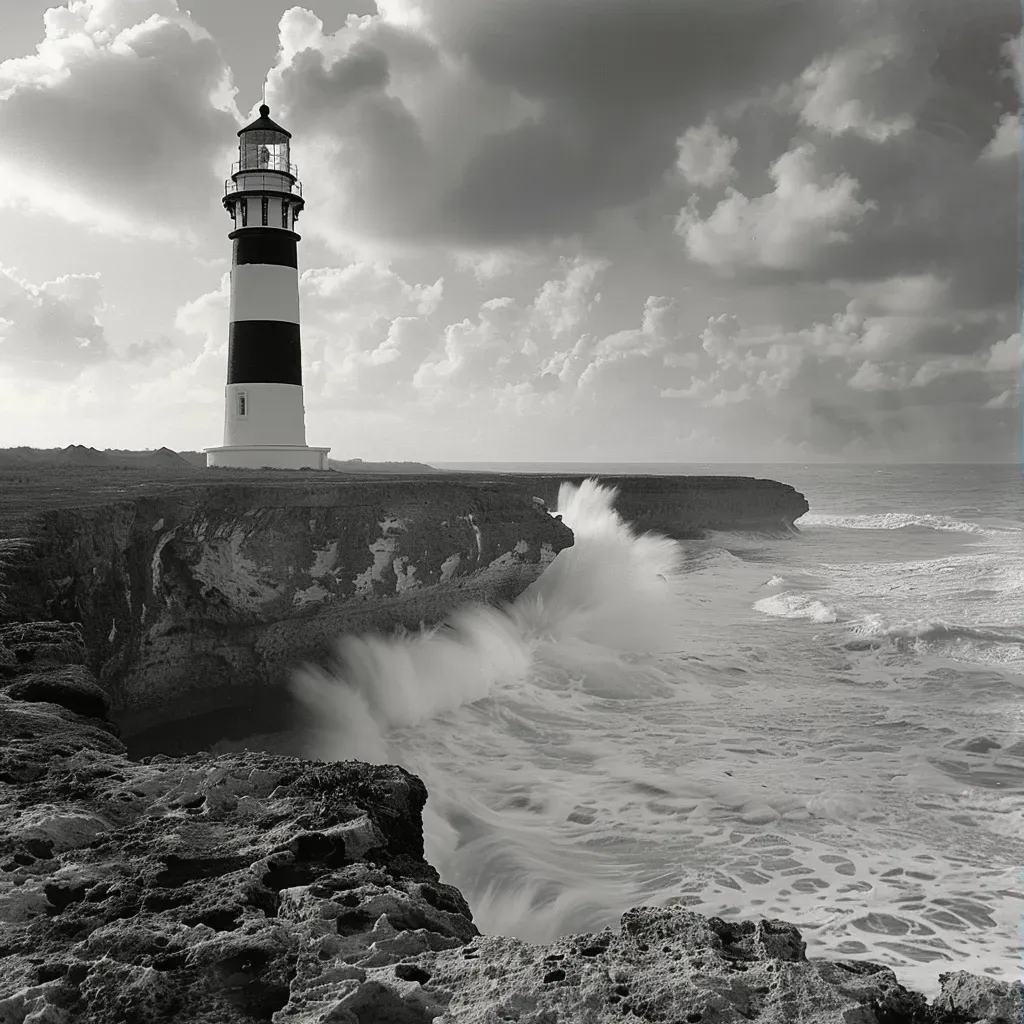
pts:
pixel 313 86
pixel 940 206
pixel 618 54
pixel 619 81
pixel 131 126
pixel 938 209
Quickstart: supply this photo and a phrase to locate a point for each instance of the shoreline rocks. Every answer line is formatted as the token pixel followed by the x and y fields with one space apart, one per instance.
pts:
pixel 250 887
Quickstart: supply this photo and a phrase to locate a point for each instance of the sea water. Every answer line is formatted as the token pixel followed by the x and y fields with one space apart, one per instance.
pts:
pixel 826 728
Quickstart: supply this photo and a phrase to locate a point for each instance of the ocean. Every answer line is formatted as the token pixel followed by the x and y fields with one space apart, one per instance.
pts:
pixel 826 728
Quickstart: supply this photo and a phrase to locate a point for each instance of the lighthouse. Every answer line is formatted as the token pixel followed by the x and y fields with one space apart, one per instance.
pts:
pixel 264 414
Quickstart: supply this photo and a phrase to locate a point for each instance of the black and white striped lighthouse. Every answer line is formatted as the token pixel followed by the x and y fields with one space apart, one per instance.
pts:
pixel 264 415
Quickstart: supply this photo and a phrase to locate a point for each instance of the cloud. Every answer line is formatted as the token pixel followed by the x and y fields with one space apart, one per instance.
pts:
pixel 705 156
pixel 118 120
pixel 481 354
pixel 881 347
pixel 492 123
pixel 626 362
pixel 51 330
pixel 941 181
pixel 490 265
pixel 869 89
pixel 784 229
pixel 512 344
pixel 871 377
pixel 1003 400
pixel 1003 358
pixel 1006 143
pixel 365 292
pixel 563 302
pixel 148 350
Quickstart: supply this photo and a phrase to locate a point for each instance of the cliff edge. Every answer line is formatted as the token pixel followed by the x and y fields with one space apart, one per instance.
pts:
pixel 687 507
pixel 200 592
pixel 191 598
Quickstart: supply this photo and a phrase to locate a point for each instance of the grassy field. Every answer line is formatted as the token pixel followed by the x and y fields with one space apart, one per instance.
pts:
pixel 27 490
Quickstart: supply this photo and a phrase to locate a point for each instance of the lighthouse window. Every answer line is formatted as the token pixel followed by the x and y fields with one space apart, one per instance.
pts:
pixel 266 210
pixel 245 212
pixel 241 403
pixel 284 214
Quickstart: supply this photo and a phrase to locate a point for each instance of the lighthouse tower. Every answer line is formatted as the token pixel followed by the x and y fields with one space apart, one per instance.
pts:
pixel 264 415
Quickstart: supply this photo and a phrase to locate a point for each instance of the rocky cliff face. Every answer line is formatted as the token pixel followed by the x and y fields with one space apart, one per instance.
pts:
pixel 192 597
pixel 187 596
pixel 249 887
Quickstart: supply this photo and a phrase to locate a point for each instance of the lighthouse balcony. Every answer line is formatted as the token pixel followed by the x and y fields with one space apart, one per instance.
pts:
pixel 261 181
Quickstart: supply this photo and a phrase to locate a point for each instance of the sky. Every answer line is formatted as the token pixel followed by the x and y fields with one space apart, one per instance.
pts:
pixel 535 230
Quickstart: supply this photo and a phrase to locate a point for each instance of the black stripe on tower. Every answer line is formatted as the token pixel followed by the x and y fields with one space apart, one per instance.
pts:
pixel 264 352
pixel 274 246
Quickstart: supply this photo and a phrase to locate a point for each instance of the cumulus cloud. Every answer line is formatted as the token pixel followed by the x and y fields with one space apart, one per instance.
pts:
pixel 625 363
pixel 784 229
pixel 1003 358
pixel 364 292
pixel 500 123
pixel 705 156
pixel 118 120
pixel 51 330
pixel 869 89
pixel 514 344
pixel 149 349
pixel 563 302
pixel 888 340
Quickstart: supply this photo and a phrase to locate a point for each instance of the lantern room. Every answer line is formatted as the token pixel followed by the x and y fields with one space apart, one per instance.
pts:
pixel 264 188
pixel 264 145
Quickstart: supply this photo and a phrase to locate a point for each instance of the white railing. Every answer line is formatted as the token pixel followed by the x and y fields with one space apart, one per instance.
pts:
pixel 262 182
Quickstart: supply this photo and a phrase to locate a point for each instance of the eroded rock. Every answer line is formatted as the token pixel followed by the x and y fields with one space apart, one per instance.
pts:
pixel 249 887
pixel 203 888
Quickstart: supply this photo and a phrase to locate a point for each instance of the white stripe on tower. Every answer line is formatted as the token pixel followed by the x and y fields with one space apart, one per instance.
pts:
pixel 261 291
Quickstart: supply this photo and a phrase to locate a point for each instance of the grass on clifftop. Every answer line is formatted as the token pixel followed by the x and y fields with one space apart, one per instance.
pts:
pixel 38 487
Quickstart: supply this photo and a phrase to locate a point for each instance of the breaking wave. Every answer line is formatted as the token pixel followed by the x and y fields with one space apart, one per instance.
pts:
pixel 598 602
pixel 796 606
pixel 892 521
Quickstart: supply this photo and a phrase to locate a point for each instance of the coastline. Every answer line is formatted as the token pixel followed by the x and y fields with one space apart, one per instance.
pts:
pixel 249 886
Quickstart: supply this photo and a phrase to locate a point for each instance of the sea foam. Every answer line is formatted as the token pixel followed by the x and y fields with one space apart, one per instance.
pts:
pixel 601 598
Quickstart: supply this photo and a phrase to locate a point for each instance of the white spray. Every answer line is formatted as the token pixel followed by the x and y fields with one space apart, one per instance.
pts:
pixel 584 625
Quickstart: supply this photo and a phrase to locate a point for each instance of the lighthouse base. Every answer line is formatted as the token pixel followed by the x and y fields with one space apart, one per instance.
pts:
pixel 267 456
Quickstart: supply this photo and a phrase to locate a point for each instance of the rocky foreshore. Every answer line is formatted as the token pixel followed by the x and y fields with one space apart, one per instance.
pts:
pixel 249 887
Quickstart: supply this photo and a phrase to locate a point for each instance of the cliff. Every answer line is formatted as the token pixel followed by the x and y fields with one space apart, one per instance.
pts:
pixel 686 507
pixel 192 598
pixel 249 887
pixel 198 592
